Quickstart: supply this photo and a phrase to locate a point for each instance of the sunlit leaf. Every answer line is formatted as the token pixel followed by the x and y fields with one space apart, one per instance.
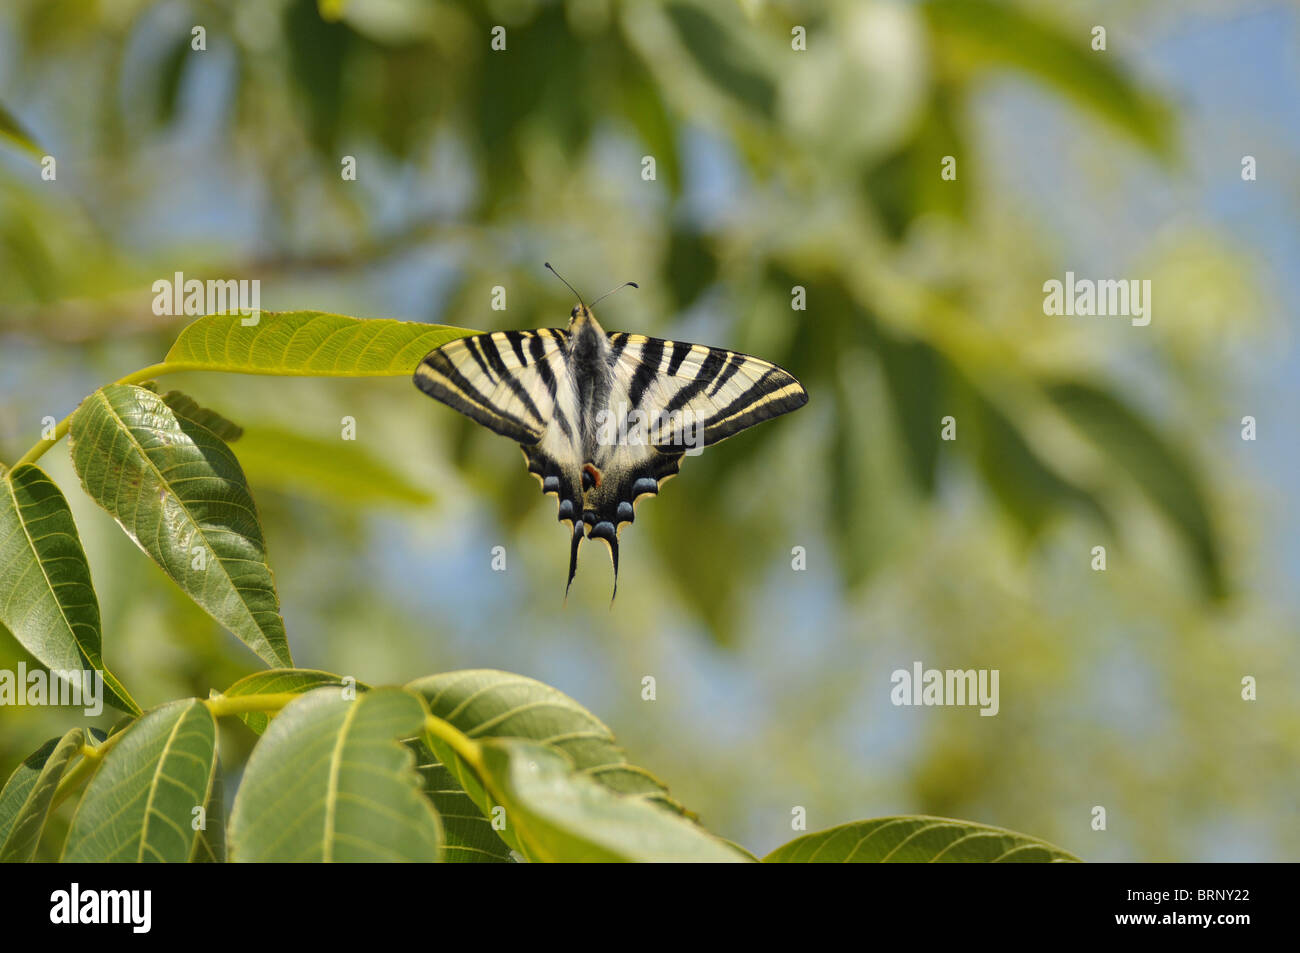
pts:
pixel 47 599
pixel 560 814
pixel 307 343
pixel 27 796
pixel 331 781
pixel 177 490
pixel 915 840
pixel 484 703
pixel 140 804
pixel 469 836
pixel 277 681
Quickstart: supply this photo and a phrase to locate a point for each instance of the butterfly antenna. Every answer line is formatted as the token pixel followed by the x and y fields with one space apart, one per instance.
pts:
pixel 625 284
pixel 566 284
pixel 573 557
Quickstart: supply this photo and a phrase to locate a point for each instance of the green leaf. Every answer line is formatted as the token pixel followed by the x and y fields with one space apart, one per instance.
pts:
pixel 692 265
pixel 917 840
pixel 988 32
pixel 307 344
pixel 169 78
pixel 468 834
pixel 560 814
pixel 329 469
pixel 641 101
pixel 317 61
pixel 331 781
pixel 484 703
pixel 851 481
pixel 914 376
pixel 12 130
pixel 1028 488
pixel 901 187
pixel 177 490
pixel 1165 476
pixel 27 795
pixel 19 786
pixel 330 10
pixel 140 804
pixel 185 406
pixel 47 599
pixel 210 845
pixel 277 681
pixel 721 58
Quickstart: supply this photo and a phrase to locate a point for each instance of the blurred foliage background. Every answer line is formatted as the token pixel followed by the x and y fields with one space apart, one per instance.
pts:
pixel 775 168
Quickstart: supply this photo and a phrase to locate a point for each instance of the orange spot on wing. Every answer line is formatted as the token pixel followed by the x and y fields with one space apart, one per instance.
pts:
pixel 590 470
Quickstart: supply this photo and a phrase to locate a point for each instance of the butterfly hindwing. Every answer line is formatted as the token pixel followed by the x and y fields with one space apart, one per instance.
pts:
pixel 626 477
pixel 562 480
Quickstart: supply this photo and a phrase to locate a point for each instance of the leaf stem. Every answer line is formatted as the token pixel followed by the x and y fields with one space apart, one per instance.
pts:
pixel 91 755
pixel 222 705
pixel 61 430
pixel 465 747
pixel 34 454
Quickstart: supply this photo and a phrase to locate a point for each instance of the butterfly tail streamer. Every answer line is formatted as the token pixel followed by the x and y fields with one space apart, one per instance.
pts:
pixel 573 558
pixel 606 532
pixel 613 555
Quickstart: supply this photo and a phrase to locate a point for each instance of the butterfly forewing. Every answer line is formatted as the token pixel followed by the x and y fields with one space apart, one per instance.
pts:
pixel 507 380
pixel 694 396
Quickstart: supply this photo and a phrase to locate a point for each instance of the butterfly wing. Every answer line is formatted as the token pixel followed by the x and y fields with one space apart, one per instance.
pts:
pixel 508 381
pixel 518 384
pixel 665 399
pixel 700 395
pixel 670 398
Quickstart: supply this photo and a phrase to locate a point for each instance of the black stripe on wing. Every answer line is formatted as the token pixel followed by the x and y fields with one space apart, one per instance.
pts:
pixel 704 394
pixel 775 392
pixel 502 380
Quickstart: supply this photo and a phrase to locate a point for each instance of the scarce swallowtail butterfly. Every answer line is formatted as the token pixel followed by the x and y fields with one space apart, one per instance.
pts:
pixel 604 419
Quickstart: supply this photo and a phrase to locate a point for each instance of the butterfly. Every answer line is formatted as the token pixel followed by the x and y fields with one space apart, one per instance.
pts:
pixel 604 418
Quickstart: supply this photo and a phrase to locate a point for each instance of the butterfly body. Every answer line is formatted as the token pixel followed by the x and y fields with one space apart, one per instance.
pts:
pixel 604 419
